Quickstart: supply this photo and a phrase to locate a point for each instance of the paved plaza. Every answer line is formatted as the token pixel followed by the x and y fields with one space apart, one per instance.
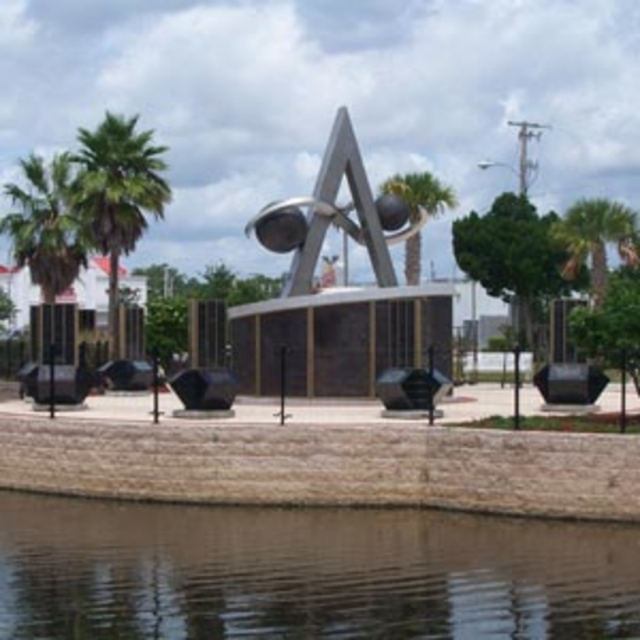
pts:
pixel 469 402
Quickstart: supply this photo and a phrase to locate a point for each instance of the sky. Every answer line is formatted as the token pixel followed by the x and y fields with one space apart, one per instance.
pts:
pixel 244 93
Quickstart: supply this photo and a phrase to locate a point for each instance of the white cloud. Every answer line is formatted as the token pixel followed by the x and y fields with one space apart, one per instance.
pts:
pixel 245 93
pixel 16 28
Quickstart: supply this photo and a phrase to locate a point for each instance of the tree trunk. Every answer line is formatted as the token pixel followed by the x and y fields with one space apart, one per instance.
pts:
pixel 413 259
pixel 527 314
pixel 599 274
pixel 114 303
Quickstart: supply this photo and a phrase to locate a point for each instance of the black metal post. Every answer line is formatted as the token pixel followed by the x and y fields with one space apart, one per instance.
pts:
pixel 52 383
pixel 9 347
pixel 156 384
pixel 283 382
pixel 516 372
pixel 623 392
pixel 431 384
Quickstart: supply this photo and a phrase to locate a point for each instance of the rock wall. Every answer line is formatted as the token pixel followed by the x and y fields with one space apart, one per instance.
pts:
pixel 524 473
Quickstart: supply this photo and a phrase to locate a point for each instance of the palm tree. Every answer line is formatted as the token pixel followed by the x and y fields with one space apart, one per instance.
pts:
pixel 419 191
pixel 46 232
pixel 587 227
pixel 119 182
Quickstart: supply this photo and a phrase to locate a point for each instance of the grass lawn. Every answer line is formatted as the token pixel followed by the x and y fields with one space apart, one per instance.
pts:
pixel 584 423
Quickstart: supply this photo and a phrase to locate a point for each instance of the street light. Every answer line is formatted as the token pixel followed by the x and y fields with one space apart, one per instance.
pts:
pixel 529 166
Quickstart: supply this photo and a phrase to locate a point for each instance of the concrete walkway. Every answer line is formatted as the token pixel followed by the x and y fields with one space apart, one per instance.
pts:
pixel 469 402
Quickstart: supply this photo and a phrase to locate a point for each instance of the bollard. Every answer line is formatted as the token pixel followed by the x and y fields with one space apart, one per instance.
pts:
pixel 156 384
pixel 283 382
pixel 431 385
pixel 52 384
pixel 516 373
pixel 623 391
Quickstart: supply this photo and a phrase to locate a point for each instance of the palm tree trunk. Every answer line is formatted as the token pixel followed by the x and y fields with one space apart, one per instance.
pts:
pixel 599 274
pixel 413 259
pixel 114 303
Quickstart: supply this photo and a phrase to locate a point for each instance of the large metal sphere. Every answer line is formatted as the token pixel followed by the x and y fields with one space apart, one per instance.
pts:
pixel 282 230
pixel 393 211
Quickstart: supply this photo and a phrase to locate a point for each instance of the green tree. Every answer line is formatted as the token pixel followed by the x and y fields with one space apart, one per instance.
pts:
pixel 7 310
pixel 46 233
pixel 167 327
pixel 419 191
pixel 221 283
pixel 217 282
pixel 163 281
pixel 254 289
pixel 511 253
pixel 603 332
pixel 586 229
pixel 119 184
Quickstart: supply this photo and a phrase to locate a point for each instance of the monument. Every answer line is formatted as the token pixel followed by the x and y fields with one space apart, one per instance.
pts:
pixel 338 342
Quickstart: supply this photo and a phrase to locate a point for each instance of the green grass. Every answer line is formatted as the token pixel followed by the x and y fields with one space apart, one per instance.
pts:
pixel 588 423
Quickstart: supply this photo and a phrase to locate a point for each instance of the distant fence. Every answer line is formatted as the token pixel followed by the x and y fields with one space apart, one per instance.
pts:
pixel 499 362
pixel 14 353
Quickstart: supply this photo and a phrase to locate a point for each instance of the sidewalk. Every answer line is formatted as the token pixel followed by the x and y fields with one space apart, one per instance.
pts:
pixel 469 402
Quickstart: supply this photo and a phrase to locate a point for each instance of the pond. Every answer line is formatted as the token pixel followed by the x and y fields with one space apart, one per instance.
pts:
pixel 90 569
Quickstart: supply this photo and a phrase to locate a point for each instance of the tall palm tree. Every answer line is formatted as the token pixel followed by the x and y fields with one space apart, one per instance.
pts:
pixel 419 191
pixel 587 227
pixel 46 232
pixel 118 185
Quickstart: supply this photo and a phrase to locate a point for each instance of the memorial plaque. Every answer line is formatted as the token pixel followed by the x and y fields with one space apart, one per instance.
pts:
pixel 285 329
pixel 54 324
pixel 132 344
pixel 207 334
pixel 395 333
pixel 245 353
pixel 341 350
pixel 562 347
pixel 87 321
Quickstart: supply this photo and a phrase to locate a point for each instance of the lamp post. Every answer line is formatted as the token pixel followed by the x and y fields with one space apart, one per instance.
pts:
pixel 529 166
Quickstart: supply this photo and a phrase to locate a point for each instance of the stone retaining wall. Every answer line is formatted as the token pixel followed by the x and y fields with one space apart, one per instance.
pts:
pixel 524 473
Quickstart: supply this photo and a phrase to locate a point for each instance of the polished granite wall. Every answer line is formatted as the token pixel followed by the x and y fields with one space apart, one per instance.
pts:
pixel 338 350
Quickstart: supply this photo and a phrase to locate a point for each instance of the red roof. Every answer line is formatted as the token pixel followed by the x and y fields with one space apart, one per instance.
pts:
pixel 4 269
pixel 104 264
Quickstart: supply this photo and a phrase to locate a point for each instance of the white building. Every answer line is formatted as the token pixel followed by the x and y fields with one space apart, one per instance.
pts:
pixel 89 292
pixel 473 306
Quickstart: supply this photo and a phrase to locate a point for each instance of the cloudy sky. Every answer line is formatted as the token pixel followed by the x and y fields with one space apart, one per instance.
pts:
pixel 244 92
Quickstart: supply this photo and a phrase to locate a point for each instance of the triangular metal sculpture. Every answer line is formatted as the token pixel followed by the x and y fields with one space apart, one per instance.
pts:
pixel 342 158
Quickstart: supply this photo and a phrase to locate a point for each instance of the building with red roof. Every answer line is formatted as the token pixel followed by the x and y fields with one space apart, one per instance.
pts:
pixel 89 291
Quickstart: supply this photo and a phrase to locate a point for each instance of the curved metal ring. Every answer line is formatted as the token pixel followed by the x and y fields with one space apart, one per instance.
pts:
pixel 330 210
pixel 323 208
pixel 403 236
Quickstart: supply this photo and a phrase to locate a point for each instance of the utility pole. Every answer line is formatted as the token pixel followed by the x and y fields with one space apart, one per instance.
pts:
pixel 526 131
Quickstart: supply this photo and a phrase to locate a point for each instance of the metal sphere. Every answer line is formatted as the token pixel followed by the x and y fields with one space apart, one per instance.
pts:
pixel 393 211
pixel 282 230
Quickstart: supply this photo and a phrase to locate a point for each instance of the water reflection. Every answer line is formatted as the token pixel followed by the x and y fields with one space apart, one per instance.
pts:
pixel 76 569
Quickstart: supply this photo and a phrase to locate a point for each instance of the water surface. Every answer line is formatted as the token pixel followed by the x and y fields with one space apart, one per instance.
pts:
pixel 88 569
